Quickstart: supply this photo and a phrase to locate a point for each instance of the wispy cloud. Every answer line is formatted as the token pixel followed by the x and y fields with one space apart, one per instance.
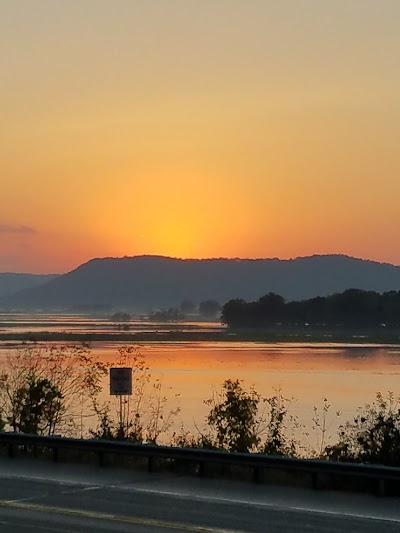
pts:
pixel 21 230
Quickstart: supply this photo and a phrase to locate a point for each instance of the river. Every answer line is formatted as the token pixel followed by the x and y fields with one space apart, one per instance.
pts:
pixel 348 376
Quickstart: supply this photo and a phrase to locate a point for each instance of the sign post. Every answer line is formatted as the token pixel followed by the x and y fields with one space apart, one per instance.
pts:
pixel 121 385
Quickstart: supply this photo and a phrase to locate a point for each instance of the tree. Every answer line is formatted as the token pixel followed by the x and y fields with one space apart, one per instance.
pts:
pixel 373 436
pixel 187 307
pixel 166 315
pixel 271 307
pixel 233 312
pixel 50 389
pixel 234 417
pixel 351 308
pixel 243 421
pixel 209 308
pixel 36 407
pixel 120 317
pixel 277 441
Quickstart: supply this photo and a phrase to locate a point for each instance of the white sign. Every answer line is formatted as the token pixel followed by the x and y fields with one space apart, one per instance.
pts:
pixel 120 381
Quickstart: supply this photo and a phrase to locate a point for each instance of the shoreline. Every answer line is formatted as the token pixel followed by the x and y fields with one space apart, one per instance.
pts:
pixel 271 336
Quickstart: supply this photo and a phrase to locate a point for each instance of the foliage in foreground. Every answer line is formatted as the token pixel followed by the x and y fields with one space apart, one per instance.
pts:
pixel 49 389
pixel 234 417
pixel 144 416
pixel 244 421
pixel 238 422
pixel 373 436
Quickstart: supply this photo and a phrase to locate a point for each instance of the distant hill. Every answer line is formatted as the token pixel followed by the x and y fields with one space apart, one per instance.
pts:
pixel 11 283
pixel 149 282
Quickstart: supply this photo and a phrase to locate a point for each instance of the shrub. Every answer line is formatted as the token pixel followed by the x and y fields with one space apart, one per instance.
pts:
pixel 49 389
pixel 373 436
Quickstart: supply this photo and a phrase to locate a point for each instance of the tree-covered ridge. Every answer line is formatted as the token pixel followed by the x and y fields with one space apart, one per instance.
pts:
pixel 143 283
pixel 353 307
pixel 11 283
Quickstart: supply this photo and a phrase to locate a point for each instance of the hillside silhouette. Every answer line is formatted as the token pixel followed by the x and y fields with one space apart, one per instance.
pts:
pixel 11 282
pixel 144 283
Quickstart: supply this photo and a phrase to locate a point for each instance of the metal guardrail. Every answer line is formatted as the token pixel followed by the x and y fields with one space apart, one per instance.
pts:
pixel 258 462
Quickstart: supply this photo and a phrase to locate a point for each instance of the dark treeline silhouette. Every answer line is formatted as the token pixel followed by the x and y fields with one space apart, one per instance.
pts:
pixel 208 310
pixel 351 308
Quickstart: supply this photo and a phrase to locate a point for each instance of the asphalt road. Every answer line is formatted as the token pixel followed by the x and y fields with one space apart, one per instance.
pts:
pixel 45 497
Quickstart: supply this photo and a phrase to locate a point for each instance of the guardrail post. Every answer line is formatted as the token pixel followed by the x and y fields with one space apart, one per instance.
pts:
pixel 55 454
pixel 314 480
pixel 100 457
pixel 11 450
pixel 202 469
pixel 381 487
pixel 258 474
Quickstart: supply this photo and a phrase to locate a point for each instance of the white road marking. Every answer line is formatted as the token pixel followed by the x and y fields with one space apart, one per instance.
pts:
pixel 305 509
pixel 195 497
pixel 28 499
pixel 83 489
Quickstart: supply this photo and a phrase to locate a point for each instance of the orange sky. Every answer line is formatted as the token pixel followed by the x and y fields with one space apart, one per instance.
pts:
pixel 198 129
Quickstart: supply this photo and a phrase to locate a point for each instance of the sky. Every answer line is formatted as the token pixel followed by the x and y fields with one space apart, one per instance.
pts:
pixel 198 128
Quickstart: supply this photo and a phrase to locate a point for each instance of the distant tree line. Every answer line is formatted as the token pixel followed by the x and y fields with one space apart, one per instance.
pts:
pixel 207 309
pixel 120 317
pixel 351 308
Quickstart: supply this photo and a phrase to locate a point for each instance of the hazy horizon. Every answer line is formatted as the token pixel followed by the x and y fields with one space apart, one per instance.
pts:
pixel 198 129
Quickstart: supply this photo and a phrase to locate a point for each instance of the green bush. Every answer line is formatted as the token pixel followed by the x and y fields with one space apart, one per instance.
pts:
pixel 373 436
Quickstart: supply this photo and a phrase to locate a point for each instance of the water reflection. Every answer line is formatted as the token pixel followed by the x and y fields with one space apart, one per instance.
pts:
pixel 347 375
pixel 35 323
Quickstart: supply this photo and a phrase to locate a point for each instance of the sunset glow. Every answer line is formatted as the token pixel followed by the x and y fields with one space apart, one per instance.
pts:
pixel 198 129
